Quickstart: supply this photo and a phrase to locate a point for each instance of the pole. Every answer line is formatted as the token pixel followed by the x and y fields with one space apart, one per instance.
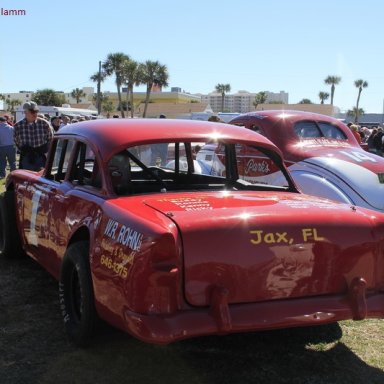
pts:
pixel 98 102
pixel 382 115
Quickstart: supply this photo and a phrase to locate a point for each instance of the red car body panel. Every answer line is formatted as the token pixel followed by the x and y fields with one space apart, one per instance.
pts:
pixel 168 266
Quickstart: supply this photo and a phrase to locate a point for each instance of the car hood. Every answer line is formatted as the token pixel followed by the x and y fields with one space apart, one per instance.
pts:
pixel 263 245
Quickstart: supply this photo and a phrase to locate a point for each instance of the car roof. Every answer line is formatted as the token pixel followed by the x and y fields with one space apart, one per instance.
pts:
pixel 110 135
pixel 292 115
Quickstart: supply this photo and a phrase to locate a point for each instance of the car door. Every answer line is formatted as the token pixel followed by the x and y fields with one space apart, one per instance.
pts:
pixel 44 207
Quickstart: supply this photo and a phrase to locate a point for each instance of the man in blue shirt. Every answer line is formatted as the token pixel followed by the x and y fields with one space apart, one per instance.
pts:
pixel 7 147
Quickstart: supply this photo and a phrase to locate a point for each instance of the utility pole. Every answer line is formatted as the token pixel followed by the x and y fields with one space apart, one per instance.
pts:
pixel 98 91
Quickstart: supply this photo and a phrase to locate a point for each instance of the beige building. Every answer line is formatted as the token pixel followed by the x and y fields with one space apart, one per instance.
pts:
pixel 240 102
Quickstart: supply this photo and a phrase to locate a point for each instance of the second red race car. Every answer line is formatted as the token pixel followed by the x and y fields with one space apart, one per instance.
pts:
pixel 322 155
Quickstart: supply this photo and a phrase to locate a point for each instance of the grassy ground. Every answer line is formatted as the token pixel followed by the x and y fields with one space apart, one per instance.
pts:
pixel 33 348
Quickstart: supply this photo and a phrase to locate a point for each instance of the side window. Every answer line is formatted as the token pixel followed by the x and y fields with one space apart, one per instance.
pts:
pixel 61 158
pixel 332 131
pixel 85 169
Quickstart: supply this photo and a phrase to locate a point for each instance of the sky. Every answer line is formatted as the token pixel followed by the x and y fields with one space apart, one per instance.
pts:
pixel 253 45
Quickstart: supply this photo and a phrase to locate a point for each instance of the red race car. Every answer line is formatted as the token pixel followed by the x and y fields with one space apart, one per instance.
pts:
pixel 138 235
pixel 322 155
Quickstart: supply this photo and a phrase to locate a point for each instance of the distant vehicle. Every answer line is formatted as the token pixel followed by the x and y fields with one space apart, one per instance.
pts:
pixel 204 116
pixel 166 252
pixel 323 156
pixel 370 125
pixel 59 111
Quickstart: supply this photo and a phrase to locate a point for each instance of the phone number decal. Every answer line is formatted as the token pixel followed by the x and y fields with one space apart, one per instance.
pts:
pixel 118 268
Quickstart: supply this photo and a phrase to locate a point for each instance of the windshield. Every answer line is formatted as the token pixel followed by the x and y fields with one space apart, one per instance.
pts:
pixel 191 166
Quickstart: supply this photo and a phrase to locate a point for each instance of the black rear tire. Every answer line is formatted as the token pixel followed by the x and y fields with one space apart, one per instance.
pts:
pixel 76 294
pixel 10 242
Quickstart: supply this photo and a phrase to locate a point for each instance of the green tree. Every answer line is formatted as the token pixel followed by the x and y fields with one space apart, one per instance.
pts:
pixel 98 78
pixel 12 104
pixel 355 113
pixel 152 73
pixel 107 106
pixel 305 101
pixel 102 98
pixel 323 96
pixel 359 84
pixel 114 65
pixel 222 89
pixel 333 80
pixel 77 94
pixel 260 98
pixel 48 96
pixel 131 76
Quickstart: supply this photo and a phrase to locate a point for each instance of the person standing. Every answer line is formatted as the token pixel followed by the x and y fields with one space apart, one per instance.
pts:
pixel 377 141
pixel 9 119
pixel 55 122
pixel 65 120
pixel 32 136
pixel 7 147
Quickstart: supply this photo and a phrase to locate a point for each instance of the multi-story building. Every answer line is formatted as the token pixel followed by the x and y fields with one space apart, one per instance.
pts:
pixel 242 101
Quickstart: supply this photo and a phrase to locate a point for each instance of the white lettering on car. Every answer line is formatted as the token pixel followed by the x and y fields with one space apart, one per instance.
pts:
pixel 126 236
pixel 32 237
pixel 255 166
pixel 110 229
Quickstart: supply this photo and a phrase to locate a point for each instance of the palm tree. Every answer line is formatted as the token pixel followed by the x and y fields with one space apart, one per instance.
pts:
pixel 114 64
pixel 260 98
pixel 360 84
pixel 98 78
pixel 323 96
pixel 152 73
pixel 12 103
pixel 333 80
pixel 222 88
pixel 107 106
pixel 131 76
pixel 355 113
pixel 77 94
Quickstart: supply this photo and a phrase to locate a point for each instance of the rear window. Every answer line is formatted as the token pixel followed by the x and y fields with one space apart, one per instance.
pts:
pixel 313 129
pixel 190 166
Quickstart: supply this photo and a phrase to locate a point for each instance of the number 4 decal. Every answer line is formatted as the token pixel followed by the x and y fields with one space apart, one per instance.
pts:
pixel 32 237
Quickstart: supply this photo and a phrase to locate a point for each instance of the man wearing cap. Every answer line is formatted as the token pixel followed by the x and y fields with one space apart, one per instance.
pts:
pixel 32 136
pixel 7 147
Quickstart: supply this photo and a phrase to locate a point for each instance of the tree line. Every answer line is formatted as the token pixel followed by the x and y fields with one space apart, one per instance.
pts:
pixel 130 73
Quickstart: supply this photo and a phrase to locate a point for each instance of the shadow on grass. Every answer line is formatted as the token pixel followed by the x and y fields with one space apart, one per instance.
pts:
pixel 33 348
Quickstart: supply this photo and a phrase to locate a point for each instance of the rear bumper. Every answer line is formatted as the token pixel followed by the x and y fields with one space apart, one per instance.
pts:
pixel 164 329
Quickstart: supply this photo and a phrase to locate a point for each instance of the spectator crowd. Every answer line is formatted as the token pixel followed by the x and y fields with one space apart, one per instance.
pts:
pixel 373 138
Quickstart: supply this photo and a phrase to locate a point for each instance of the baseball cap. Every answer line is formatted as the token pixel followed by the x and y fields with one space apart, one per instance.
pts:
pixel 30 106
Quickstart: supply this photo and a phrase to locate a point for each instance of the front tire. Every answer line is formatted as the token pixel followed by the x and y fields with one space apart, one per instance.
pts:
pixel 10 242
pixel 76 294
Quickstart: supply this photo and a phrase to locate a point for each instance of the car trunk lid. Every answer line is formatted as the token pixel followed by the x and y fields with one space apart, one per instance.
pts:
pixel 263 246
